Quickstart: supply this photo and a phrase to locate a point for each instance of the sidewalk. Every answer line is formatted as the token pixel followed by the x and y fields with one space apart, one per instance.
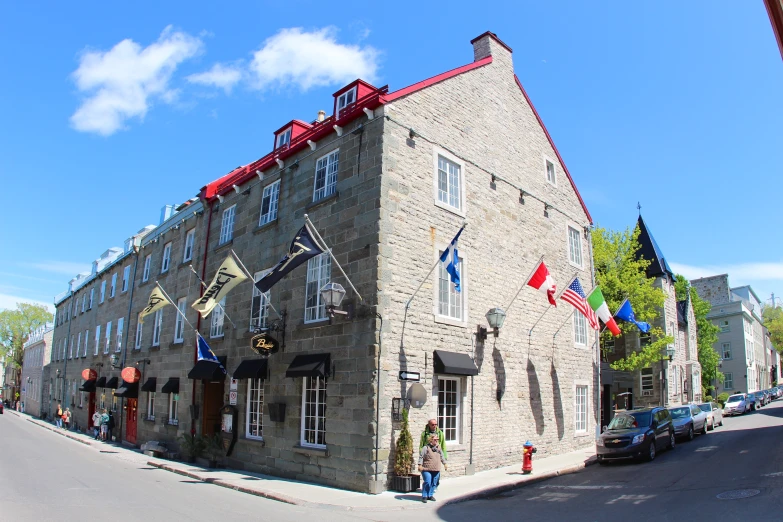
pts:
pixel 452 489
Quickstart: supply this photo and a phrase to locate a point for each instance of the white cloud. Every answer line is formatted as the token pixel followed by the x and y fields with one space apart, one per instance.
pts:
pixel 120 83
pixel 62 267
pixel 221 76
pixel 311 59
pixel 9 302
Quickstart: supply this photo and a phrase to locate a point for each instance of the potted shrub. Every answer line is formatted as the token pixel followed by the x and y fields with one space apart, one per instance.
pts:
pixel 403 481
pixel 191 447
pixel 214 449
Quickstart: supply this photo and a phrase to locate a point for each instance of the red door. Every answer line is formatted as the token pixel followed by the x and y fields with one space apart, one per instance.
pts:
pixel 91 409
pixel 130 425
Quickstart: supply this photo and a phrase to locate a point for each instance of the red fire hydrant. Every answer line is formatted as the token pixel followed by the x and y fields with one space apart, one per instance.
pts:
pixel 527 457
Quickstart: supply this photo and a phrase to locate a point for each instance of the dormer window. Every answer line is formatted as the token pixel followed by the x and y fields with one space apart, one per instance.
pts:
pixel 345 99
pixel 284 138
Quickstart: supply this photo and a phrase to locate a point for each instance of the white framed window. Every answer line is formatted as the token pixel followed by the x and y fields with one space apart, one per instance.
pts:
pixel 70 349
pixel 108 338
pixel 451 304
pixel 145 275
pixel 115 402
pixel 551 174
pixel 644 339
pixel 580 328
pixel 103 290
pixel 580 409
pixel 118 342
pixel 449 408
pixel 81 399
pixel 164 266
pixel 86 340
pixel 269 203
pixel 726 352
pixel 728 381
pixel 125 278
pixel 319 270
pixel 97 339
pixel 449 183
pixel 92 296
pixel 78 344
pixel 283 139
pixel 313 431
pixel 139 333
pixel 173 408
pixel 227 225
pixel 574 247
pixel 345 99
pixel 190 239
pixel 254 426
pixel 84 303
pixel 609 345
pixel 647 380
pixel 179 324
pixel 156 327
pixel 113 288
pixel 325 182
pixel 218 315
pixel 724 326
pixel 151 405
pixel 259 304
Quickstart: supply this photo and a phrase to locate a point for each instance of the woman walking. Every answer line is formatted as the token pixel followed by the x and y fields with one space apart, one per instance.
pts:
pixel 59 415
pixel 430 460
pixel 67 419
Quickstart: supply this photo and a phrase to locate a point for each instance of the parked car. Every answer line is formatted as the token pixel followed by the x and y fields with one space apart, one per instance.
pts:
pixel 765 397
pixel 688 420
pixel 714 414
pixel 635 434
pixel 736 404
pixel 754 401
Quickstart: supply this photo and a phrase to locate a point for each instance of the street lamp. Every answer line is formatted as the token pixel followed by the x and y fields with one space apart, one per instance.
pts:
pixel 670 353
pixel 332 295
pixel 495 317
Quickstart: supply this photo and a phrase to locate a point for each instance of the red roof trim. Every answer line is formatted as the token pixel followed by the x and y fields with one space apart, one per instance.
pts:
pixel 436 79
pixel 775 12
pixel 554 147
pixel 494 37
pixel 353 84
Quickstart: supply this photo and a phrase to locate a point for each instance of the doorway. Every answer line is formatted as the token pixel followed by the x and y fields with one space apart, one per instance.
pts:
pixel 90 409
pixel 130 426
pixel 213 401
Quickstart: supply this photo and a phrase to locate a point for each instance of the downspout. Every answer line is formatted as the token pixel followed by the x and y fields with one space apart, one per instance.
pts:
pixel 126 334
pixel 378 397
pixel 472 356
pixel 198 320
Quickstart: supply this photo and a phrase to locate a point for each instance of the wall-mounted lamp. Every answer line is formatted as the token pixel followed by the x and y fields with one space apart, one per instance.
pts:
pixel 547 208
pixel 145 361
pixel 411 133
pixel 332 295
pixel 114 361
pixel 496 317
pixel 670 353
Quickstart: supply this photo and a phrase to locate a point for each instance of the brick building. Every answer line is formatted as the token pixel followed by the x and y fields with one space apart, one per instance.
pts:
pixel 37 352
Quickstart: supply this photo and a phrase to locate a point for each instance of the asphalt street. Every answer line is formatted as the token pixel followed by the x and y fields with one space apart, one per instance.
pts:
pixel 683 484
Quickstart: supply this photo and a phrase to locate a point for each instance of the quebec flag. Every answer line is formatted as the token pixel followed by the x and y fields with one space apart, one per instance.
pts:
pixel 450 260
pixel 205 353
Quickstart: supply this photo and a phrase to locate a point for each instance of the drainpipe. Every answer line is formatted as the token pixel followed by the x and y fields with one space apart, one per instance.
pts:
pixel 126 334
pixel 198 320
pixel 378 398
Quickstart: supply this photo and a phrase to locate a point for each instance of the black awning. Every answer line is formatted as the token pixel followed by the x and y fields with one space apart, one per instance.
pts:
pixel 113 383
pixel 129 390
pixel 88 386
pixel 207 371
pixel 101 382
pixel 451 363
pixel 251 369
pixel 171 386
pixel 150 385
pixel 310 365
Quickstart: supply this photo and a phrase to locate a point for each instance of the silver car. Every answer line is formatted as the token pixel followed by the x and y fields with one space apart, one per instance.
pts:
pixel 688 420
pixel 737 404
pixel 714 414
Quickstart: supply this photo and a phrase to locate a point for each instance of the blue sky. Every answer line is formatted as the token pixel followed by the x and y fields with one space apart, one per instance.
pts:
pixel 108 112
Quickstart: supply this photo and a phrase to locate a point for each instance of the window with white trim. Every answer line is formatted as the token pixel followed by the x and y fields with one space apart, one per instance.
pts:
pixel 156 327
pixel 118 342
pixel 580 411
pixel 313 430
pixel 580 328
pixel 227 225
pixel 145 275
pixel 84 302
pixel 726 352
pixel 647 379
pixel 97 339
pixel 254 428
pixel 179 324
pixel 173 408
pixel 319 270
pixel 164 266
pixel 269 203
pixel 125 278
pixel 218 315
pixel 151 405
pixel 139 333
pixel 190 239
pixel 449 399
pixel 345 99
pixel 449 183
pixel 609 345
pixel 724 326
pixel 92 296
pixel 81 399
pixel 325 183
pixel 103 290
pixel 86 340
pixel 728 381
pixel 551 176
pixel 70 349
pixel 78 343
pixel 574 247
pixel 113 284
pixel 259 304
pixel 283 139
pixel 450 302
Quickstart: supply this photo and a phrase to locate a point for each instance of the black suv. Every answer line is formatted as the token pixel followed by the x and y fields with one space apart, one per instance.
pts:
pixel 635 434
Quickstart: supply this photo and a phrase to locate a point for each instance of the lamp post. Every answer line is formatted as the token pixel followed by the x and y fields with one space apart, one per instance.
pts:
pixel 664 381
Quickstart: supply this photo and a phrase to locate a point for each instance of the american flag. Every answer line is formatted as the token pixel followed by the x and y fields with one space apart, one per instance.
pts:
pixel 575 296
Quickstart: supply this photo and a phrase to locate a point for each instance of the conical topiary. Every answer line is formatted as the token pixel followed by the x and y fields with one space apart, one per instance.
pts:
pixel 403 455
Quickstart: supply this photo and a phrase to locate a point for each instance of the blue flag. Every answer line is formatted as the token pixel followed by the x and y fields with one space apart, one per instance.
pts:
pixel 205 353
pixel 450 258
pixel 625 313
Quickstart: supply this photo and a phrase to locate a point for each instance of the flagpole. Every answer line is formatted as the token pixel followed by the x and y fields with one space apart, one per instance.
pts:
pixel 175 305
pixel 530 333
pixel 525 283
pixel 218 303
pixel 329 250
pixel 464 225
pixel 252 279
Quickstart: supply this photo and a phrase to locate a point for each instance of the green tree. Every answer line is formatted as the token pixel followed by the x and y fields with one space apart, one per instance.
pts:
pixel 773 321
pixel 622 274
pixel 707 334
pixel 16 327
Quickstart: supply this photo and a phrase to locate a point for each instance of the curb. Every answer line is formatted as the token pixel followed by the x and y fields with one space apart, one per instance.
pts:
pixel 63 434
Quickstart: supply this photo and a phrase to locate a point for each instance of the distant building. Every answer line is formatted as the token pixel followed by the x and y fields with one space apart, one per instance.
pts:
pixel 37 352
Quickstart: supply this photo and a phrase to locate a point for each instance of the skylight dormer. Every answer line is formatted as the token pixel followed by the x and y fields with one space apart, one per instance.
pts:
pixel 345 99
pixel 283 139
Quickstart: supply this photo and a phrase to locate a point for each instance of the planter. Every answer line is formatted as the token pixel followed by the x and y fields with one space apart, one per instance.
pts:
pixel 406 484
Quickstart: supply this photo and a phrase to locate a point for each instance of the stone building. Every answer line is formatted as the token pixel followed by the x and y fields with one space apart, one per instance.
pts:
pixel 745 362
pixel 37 352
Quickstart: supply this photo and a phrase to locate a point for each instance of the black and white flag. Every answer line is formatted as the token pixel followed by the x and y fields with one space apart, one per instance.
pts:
pixel 303 247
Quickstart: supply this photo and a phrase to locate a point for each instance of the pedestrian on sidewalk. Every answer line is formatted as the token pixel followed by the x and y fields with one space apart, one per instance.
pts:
pixel 432 429
pixel 59 417
pixel 67 418
pixel 96 423
pixel 110 426
pixel 430 459
pixel 104 424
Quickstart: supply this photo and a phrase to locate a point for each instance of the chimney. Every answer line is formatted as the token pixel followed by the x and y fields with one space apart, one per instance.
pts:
pixel 321 115
pixel 166 212
pixel 488 44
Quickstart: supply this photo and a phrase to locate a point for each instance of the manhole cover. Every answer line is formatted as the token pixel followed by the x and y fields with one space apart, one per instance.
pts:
pixel 739 493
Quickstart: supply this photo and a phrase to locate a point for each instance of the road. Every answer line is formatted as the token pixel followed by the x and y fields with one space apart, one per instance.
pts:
pixel 744 454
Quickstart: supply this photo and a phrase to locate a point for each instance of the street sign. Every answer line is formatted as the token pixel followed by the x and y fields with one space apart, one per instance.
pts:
pixel 232 398
pixel 409 376
pixel 233 385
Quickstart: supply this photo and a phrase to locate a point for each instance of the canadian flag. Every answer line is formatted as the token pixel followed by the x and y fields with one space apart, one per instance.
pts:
pixel 541 280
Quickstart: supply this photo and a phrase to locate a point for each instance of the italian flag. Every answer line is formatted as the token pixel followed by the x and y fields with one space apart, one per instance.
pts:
pixel 598 303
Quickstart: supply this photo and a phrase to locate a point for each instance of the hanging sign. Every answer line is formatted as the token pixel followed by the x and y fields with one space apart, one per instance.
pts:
pixel 88 374
pixel 131 374
pixel 264 344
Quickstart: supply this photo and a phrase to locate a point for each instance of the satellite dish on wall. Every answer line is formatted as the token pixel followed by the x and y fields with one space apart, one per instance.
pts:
pixel 417 395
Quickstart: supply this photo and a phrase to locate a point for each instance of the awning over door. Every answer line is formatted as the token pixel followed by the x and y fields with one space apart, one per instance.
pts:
pixel 208 370
pixel 88 386
pixel 101 382
pixel 452 363
pixel 113 383
pixel 150 385
pixel 251 369
pixel 310 365
pixel 129 390
pixel 171 386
